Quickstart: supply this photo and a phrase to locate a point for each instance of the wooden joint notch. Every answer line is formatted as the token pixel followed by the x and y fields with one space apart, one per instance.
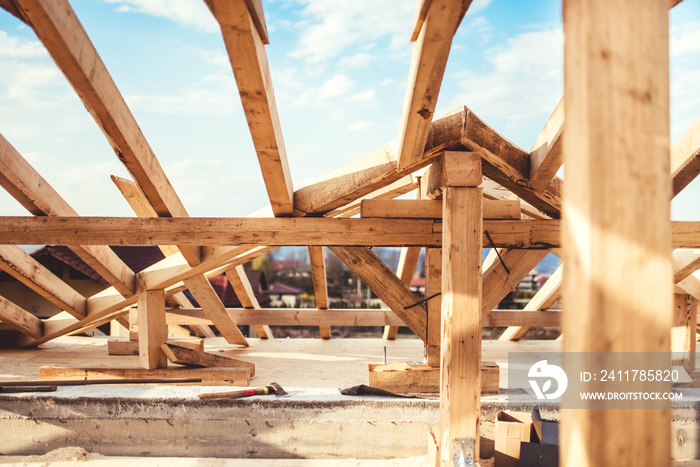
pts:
pixel 451 168
pixel 404 378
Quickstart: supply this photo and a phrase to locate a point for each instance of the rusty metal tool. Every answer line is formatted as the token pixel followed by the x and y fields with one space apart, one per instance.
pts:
pixel 273 388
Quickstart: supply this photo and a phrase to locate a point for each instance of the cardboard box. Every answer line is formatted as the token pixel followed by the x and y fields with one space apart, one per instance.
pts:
pixel 512 428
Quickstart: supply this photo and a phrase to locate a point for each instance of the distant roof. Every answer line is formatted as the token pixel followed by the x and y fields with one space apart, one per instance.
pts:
pixel 284 289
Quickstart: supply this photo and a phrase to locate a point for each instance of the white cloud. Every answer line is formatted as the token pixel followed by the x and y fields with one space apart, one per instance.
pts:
pixel 337 86
pixel 17 47
pixel 685 39
pixel 477 6
pixel 330 27
pixel 359 126
pixel 359 60
pixel 187 12
pixel 367 98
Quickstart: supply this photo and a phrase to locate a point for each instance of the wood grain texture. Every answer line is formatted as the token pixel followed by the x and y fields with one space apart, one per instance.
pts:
pixel 153 331
pixel 460 376
pixel 685 158
pixel 432 209
pixel 34 275
pixel 404 378
pixel 384 283
pixel 408 259
pixel 209 376
pixel 246 52
pixel 685 262
pixel 317 260
pixel 616 231
pixel 546 156
pixel 433 285
pixel 183 355
pixel 20 319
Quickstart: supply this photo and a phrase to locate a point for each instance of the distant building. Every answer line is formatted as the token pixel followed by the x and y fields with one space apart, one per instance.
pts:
pixel 283 295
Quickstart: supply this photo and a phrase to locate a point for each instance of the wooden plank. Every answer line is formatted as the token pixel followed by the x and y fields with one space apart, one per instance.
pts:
pixel 153 332
pixel 433 285
pixel 203 292
pixel 401 378
pixel 689 285
pixel 400 187
pixel 189 357
pixel 549 293
pixel 25 184
pixel 497 283
pixel 546 154
pixel 532 234
pixel 20 319
pixel 244 291
pixel 116 348
pixel 408 259
pixel 432 209
pixel 419 16
pixel 452 168
pixel 460 380
pixel 377 169
pixel 384 283
pixel 685 262
pixel 430 52
pixel 209 376
pixel 509 165
pixel 317 260
pixel 521 318
pixel 616 231
pixel 685 158
pixel 249 62
pixel 297 317
pixel 255 7
pixel 684 331
pixel 34 275
pixel 10 7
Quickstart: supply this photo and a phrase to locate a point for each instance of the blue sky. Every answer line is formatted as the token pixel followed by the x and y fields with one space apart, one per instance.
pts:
pixel 339 70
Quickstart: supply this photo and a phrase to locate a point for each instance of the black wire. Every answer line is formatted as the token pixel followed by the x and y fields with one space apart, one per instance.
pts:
pixel 421 301
pixel 497 253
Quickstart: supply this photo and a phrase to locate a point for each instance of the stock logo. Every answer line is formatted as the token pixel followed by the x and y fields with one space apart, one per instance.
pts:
pixel 541 370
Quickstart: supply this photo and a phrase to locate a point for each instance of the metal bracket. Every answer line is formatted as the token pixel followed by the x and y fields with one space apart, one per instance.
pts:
pixel 463 452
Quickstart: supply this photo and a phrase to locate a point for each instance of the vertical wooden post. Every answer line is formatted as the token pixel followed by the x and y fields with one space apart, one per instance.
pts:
pixel 685 320
pixel 460 369
pixel 153 332
pixel 616 217
pixel 433 285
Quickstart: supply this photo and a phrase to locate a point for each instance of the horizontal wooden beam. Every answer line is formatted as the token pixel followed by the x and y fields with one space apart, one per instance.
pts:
pixel 20 319
pixel 209 376
pixel 34 275
pixel 534 234
pixel 404 378
pixel 432 209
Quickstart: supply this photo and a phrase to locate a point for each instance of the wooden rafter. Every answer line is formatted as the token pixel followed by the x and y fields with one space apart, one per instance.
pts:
pixel 430 54
pixel 20 319
pixel 28 187
pixel 384 283
pixel 34 275
pixel 685 158
pixel 685 262
pixel 244 291
pixel 549 293
pixel 64 37
pixel 249 62
pixel 546 156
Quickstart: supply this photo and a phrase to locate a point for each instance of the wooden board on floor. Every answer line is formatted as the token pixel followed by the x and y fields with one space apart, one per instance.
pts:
pixel 209 376
pixel 189 357
pixel 404 378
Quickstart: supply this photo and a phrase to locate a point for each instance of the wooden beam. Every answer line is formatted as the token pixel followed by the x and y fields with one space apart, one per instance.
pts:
pixel 533 234
pixel 404 378
pixel 684 331
pixel 690 285
pixel 34 275
pixel 183 355
pixel 25 184
pixel 433 286
pixel 246 53
pixel 419 16
pixel 546 154
pixel 685 158
pixel 377 169
pixel 317 260
pixel 685 262
pixel 244 291
pixel 209 376
pixel 115 347
pixel 452 168
pixel 204 293
pixel 430 54
pixel 509 165
pixel 20 319
pixel 432 209
pixel 460 375
pixel 153 332
pixel 384 283
pixel 497 283
pixel 616 231
pixel 549 293
pixel 408 259
pixel 400 187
